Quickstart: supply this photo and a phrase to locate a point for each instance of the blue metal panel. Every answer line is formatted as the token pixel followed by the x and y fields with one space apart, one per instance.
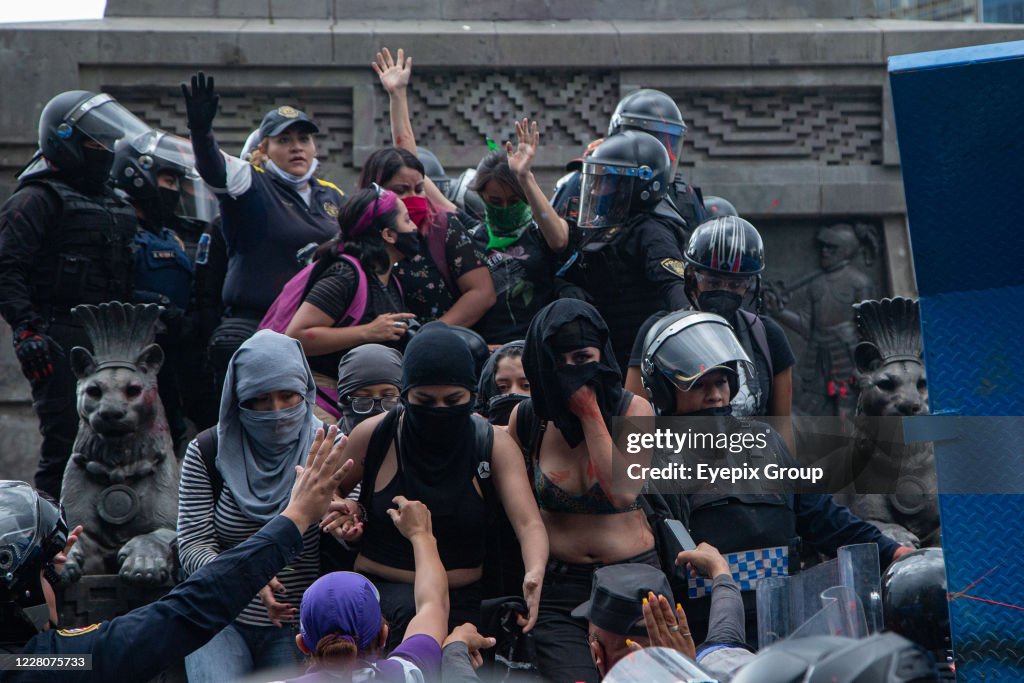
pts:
pixel 959 121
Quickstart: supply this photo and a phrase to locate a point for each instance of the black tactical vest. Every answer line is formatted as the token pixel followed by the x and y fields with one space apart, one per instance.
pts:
pixel 89 259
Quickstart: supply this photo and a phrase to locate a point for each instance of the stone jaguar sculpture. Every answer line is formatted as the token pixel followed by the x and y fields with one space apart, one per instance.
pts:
pixel 893 384
pixel 121 482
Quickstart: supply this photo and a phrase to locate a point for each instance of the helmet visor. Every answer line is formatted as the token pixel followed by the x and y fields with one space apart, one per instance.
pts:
pixel 198 203
pixel 687 350
pixel 668 134
pixel 605 195
pixel 104 121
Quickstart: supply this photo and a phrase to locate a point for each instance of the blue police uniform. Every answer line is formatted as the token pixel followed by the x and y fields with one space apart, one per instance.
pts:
pixel 140 644
pixel 264 222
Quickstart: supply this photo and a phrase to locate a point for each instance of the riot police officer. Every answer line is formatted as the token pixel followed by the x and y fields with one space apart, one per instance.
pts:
pixel 65 239
pixel 157 173
pixel 654 112
pixel 724 262
pixel 630 263
pixel 690 368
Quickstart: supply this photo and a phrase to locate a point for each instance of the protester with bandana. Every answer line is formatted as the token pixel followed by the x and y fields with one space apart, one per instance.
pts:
pixel 266 428
pixel 521 236
pixel 434 449
pixel 565 431
pixel 448 280
pixel 270 208
pixel 375 232
pixel 503 383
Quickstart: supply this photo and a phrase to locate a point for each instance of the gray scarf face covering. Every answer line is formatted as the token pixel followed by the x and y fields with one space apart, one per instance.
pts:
pixel 257 451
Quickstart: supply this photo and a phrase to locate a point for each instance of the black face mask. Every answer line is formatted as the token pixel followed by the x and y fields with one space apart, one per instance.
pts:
pixel 721 302
pixel 408 243
pixel 95 171
pixel 169 200
pixel 435 427
pixel 499 408
pixel 572 377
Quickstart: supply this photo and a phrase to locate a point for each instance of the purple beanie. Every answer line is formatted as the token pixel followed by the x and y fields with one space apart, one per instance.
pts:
pixel 341 602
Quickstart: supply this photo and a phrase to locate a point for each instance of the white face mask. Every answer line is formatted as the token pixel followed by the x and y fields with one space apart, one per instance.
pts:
pixel 297 181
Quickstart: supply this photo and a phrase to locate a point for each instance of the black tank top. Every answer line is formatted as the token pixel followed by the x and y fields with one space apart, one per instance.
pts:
pixel 460 534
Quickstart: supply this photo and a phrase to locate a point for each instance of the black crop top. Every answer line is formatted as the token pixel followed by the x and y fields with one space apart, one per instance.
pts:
pixel 460 534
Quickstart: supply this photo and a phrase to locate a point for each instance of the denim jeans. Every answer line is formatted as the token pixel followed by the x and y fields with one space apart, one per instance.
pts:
pixel 240 649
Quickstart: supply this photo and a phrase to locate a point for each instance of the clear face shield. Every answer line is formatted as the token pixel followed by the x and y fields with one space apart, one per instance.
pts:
pixel 693 346
pixel 668 134
pixel 606 194
pixel 170 153
pixel 104 121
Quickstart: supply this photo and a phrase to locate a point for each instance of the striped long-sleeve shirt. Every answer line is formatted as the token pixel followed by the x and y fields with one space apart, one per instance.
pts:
pixel 206 527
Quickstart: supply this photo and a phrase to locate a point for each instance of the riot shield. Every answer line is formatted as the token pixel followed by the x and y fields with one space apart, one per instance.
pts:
pixel 841 597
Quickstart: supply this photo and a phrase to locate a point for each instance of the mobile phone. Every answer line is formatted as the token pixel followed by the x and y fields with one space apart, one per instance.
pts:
pixel 680 537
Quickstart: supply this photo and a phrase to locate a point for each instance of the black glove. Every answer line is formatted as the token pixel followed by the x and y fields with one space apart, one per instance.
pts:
pixel 33 352
pixel 200 103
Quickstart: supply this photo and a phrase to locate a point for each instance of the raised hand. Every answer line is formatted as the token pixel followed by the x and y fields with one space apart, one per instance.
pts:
pixel 201 102
pixel 394 74
pixel 527 140
pixel 316 483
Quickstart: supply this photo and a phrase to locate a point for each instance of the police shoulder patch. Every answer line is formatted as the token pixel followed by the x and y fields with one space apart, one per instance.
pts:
pixel 331 209
pixel 82 630
pixel 674 266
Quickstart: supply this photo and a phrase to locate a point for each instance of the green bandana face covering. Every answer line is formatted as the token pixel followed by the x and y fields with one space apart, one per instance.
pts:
pixel 506 224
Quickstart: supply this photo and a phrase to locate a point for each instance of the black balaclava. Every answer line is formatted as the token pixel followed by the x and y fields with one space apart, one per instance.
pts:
pixel 561 326
pixel 494 406
pixel 95 170
pixel 435 443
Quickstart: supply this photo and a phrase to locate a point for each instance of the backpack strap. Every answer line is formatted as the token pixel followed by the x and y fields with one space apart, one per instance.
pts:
pixel 760 333
pixel 207 442
pixel 483 445
pixel 376 449
pixel 357 307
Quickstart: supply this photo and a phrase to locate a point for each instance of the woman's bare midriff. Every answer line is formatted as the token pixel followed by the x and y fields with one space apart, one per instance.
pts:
pixel 585 539
pixel 457 578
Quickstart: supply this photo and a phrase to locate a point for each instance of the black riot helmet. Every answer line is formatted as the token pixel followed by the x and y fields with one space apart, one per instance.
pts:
pixel 654 112
pixel 32 531
pixel 727 245
pixel 684 346
pixel 914 598
pixel 138 163
pixel 719 206
pixel 477 346
pixel 881 658
pixel 72 117
pixel 434 169
pixel 627 174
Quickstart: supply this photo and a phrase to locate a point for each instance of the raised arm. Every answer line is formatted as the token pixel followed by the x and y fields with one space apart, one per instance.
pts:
pixel 552 226
pixel 224 174
pixel 394 76
pixel 430 586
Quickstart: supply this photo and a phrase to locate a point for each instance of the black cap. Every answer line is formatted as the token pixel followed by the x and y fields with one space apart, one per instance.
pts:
pixel 616 597
pixel 277 120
